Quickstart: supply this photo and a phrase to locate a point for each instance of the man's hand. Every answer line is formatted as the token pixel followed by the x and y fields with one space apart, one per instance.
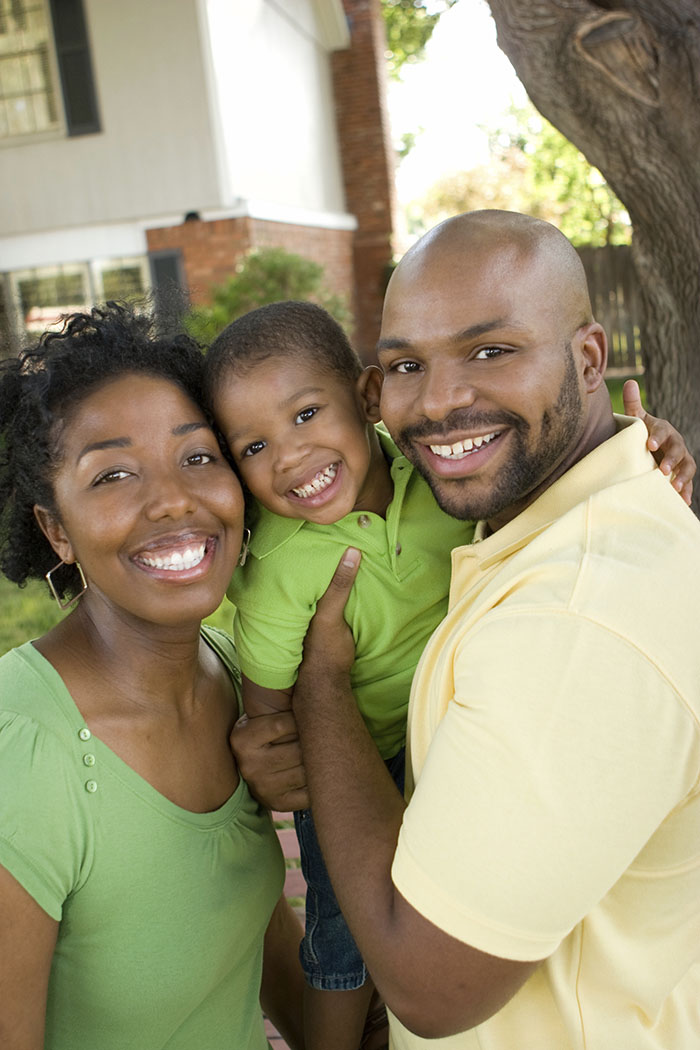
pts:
pixel 664 441
pixel 268 754
pixel 329 649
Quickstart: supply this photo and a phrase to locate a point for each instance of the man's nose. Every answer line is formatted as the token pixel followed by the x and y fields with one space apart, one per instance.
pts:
pixel 444 390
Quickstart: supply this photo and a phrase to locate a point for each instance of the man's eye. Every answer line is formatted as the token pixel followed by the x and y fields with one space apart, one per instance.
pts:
pixel 253 448
pixel 406 367
pixel 107 476
pixel 488 352
pixel 305 415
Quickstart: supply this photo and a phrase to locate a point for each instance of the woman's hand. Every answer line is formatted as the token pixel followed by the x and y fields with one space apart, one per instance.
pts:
pixel 667 445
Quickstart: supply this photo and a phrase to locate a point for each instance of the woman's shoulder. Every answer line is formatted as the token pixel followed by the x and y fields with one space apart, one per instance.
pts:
pixel 28 681
pixel 223 645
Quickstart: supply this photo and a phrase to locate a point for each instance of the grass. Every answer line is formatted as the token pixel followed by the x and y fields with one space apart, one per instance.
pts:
pixel 28 612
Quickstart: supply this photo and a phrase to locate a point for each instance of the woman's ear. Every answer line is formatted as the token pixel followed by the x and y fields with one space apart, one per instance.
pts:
pixel 369 388
pixel 593 344
pixel 55 534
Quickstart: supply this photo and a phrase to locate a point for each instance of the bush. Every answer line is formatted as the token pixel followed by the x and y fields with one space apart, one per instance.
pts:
pixel 266 275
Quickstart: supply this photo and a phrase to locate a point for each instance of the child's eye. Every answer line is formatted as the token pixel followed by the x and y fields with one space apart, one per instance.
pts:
pixel 253 449
pixel 405 367
pixel 108 476
pixel 305 415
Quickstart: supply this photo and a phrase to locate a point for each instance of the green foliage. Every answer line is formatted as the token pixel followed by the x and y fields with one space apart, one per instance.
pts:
pixel 266 275
pixel 28 612
pixel 409 26
pixel 533 169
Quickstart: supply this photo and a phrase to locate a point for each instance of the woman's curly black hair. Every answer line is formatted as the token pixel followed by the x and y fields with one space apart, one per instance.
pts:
pixel 38 392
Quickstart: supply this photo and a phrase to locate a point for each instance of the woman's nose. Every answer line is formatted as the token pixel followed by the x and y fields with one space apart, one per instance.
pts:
pixel 169 496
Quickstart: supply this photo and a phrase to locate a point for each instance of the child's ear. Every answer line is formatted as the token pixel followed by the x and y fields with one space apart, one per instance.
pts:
pixel 369 388
pixel 55 534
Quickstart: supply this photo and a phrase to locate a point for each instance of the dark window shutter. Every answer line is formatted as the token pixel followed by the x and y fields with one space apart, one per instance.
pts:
pixel 168 283
pixel 75 66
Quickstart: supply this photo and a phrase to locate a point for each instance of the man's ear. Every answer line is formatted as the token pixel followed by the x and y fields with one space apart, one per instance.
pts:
pixel 55 534
pixel 593 344
pixel 369 388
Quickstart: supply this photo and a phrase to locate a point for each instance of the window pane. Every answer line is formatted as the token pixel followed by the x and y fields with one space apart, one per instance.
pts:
pixel 47 293
pixel 124 282
pixel 26 81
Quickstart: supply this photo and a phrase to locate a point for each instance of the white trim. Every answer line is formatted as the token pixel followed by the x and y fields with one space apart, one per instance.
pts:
pixel 266 210
pixel 333 23
pixel 218 137
pixel 72 245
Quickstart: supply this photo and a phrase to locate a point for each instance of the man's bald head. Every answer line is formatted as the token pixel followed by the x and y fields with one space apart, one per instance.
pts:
pixel 512 238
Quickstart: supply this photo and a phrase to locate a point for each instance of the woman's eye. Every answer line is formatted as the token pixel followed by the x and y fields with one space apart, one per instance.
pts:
pixel 253 449
pixel 305 415
pixel 108 476
pixel 200 458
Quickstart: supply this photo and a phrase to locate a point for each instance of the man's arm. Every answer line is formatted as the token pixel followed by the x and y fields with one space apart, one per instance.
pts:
pixel 435 984
pixel 666 444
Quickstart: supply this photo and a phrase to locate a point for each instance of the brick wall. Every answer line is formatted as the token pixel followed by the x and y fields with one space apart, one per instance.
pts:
pixel 211 250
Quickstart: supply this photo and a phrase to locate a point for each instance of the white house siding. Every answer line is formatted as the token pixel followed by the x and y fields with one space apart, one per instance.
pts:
pixel 271 65
pixel 155 150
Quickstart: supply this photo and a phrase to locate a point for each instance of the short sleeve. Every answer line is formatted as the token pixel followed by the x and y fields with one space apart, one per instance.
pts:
pixel 44 824
pixel 273 608
pixel 542 783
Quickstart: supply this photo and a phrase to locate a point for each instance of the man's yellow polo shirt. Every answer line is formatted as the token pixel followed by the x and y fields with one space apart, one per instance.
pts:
pixel 398 598
pixel 554 742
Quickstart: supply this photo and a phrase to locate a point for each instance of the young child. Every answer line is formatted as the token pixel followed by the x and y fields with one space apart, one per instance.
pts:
pixel 299 415
pixel 301 419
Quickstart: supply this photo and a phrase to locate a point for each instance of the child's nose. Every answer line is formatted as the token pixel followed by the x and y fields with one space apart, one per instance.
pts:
pixel 290 453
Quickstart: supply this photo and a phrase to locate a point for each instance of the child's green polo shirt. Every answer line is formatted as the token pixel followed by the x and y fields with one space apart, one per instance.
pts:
pixel 399 596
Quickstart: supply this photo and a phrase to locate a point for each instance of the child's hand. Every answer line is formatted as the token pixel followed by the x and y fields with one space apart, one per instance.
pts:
pixel 664 441
pixel 268 754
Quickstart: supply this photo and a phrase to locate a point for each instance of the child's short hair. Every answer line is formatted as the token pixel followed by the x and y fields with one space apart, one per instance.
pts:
pixel 287 329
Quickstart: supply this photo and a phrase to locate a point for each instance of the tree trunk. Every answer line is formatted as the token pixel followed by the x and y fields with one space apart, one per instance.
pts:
pixel 622 82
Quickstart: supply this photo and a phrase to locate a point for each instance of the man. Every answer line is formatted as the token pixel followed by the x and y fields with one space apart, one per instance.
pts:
pixel 541 890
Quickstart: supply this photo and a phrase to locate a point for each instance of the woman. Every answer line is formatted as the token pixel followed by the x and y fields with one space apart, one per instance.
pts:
pixel 137 874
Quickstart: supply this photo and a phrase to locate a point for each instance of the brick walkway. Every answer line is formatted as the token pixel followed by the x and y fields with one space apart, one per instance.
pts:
pixel 294 887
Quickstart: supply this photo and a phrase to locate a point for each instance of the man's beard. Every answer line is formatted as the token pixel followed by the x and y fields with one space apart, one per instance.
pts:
pixel 527 467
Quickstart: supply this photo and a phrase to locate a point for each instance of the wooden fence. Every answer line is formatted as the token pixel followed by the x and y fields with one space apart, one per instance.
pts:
pixel 615 299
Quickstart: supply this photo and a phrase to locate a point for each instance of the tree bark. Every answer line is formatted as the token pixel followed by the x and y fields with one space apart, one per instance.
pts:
pixel 622 82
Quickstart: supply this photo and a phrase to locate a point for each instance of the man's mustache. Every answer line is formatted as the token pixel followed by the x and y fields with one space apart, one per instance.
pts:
pixel 462 419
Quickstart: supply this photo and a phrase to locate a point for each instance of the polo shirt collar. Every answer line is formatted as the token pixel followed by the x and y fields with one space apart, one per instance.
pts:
pixel 618 459
pixel 270 531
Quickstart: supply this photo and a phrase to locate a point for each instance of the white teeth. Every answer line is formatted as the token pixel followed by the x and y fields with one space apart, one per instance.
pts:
pixel 318 483
pixel 460 449
pixel 177 561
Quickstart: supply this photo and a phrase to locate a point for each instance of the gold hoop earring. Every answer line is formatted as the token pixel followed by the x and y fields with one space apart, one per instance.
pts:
pixel 69 601
pixel 244 548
